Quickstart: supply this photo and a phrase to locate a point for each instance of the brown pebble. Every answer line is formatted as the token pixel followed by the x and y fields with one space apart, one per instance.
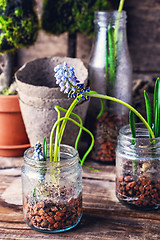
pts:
pixel 50 214
pixel 131 184
pixel 40 205
pixel 56 225
pixel 54 209
pixel 38 219
pixel 147 192
pixel 41 212
pixel 53 216
pixel 71 201
pixel 51 226
pixel 44 223
pixel 64 209
pixel 60 214
pixel 128 178
pixel 57 218
pixel 50 220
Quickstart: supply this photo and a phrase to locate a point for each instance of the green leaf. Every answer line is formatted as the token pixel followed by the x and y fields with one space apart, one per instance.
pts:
pixel 111 55
pixel 148 110
pixel 34 192
pixel 157 108
pixel 45 149
pixel 102 108
pixel 133 132
pixel 132 125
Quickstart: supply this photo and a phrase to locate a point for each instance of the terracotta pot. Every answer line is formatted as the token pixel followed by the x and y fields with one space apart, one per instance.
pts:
pixel 13 137
pixel 39 93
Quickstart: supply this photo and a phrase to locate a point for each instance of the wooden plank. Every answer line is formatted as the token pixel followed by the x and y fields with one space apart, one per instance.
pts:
pixel 104 217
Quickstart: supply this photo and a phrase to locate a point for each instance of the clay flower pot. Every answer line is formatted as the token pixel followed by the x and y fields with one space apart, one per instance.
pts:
pixel 13 137
pixel 39 93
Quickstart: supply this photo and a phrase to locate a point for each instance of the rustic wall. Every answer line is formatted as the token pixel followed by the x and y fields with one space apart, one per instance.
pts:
pixel 143 28
pixel 48 45
pixel 144 34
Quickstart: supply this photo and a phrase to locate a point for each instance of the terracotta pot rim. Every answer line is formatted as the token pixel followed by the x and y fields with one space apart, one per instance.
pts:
pixel 12 147
pixel 9 103
pixel 11 96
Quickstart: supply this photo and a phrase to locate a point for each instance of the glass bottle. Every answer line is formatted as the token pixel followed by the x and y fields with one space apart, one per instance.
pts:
pixel 138 169
pixel 110 72
pixel 52 191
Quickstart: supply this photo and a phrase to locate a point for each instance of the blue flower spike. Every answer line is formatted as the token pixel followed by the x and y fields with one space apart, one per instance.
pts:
pixel 38 154
pixel 68 82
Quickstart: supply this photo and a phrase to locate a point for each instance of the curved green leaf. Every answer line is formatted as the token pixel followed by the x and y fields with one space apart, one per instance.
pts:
pixel 157 108
pixel 148 110
pixel 45 149
pixel 132 125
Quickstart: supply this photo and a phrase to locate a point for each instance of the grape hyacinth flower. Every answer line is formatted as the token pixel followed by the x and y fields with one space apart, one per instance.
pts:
pixel 68 82
pixel 38 154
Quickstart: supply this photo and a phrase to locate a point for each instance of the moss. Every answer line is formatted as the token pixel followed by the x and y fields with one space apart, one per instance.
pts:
pixel 18 24
pixel 71 15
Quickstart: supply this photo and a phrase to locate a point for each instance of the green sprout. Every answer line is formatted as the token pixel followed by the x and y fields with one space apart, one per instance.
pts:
pixel 67 81
pixel 69 84
pixel 111 48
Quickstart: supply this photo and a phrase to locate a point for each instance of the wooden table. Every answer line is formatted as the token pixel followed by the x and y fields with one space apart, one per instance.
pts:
pixel 103 216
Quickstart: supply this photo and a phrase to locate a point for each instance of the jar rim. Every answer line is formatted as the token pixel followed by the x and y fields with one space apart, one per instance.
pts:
pixel 71 159
pixel 141 147
pixel 125 131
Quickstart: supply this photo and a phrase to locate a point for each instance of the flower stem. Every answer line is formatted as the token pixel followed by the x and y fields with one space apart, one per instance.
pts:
pixel 120 8
pixel 91 94
pixel 80 121
pixel 80 126
pixel 68 113
pixel 121 5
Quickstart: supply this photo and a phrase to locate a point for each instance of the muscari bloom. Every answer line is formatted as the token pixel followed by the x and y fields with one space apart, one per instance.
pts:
pixel 38 155
pixel 68 82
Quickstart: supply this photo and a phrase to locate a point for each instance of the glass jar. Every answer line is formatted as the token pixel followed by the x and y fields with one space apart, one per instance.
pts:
pixel 52 191
pixel 138 169
pixel 110 73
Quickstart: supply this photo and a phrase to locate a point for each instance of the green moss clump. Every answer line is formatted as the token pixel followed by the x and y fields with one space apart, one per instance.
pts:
pixel 59 16
pixel 18 24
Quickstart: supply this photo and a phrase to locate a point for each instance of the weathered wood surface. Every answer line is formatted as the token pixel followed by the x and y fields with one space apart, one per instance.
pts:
pixel 103 216
pixel 143 31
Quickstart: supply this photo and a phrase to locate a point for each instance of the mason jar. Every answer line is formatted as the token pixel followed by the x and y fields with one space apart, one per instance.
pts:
pixel 138 169
pixel 110 73
pixel 52 191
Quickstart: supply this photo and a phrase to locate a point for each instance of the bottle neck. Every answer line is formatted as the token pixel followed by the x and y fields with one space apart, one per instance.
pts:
pixel 104 19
